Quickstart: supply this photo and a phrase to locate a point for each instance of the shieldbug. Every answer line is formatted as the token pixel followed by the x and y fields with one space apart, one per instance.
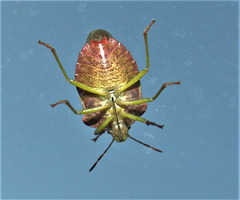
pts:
pixel 108 82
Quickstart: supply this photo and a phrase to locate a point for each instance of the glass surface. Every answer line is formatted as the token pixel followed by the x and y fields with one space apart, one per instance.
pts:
pixel 46 153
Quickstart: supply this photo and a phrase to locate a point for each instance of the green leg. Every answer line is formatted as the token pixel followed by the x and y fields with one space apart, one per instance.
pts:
pixel 140 119
pixel 85 111
pixel 73 82
pixel 146 100
pixel 103 125
pixel 144 71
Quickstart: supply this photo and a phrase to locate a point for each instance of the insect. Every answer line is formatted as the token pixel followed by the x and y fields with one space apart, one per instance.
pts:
pixel 108 82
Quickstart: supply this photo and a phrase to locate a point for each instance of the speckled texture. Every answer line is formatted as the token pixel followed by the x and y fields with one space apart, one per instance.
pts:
pixel 107 65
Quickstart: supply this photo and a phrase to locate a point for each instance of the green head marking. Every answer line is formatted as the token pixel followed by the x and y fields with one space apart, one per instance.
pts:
pixel 119 131
pixel 98 35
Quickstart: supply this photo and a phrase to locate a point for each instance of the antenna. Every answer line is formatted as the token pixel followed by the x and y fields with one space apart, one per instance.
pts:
pixel 145 144
pixel 111 145
pixel 101 156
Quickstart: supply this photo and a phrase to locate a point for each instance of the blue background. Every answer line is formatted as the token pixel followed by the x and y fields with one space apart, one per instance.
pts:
pixel 46 153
